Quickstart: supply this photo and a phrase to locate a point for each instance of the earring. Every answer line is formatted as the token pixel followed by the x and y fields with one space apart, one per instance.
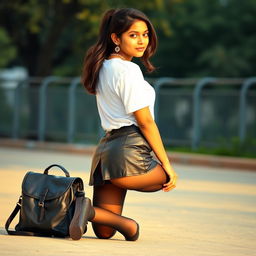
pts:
pixel 117 49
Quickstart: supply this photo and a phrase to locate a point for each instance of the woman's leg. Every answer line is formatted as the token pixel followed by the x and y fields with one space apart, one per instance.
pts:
pixel 149 182
pixel 108 203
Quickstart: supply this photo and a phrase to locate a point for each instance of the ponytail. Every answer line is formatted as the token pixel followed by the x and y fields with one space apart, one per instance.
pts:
pixel 96 54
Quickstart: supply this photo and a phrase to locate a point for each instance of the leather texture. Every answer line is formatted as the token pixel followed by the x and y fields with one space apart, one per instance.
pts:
pixel 120 153
pixel 48 203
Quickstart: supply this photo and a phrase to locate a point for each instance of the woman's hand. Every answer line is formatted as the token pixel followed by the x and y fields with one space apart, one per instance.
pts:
pixel 172 175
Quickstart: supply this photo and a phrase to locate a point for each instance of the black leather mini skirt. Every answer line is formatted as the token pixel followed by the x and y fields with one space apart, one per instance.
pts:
pixel 120 153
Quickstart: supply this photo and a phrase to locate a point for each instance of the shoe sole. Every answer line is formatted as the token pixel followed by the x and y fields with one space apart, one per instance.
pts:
pixel 78 225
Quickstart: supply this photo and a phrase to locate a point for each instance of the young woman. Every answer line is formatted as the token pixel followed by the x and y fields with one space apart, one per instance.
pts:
pixel 123 159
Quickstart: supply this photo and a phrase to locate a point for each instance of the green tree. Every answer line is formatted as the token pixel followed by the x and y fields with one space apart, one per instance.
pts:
pixel 208 38
pixel 196 37
pixel 53 35
pixel 42 31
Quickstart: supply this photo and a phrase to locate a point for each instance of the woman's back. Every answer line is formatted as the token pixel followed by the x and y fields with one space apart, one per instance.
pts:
pixel 121 90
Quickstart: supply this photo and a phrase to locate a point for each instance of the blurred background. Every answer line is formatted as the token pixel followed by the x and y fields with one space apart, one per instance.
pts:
pixel 205 80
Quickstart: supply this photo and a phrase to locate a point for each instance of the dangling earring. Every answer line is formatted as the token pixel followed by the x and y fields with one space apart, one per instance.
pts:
pixel 117 49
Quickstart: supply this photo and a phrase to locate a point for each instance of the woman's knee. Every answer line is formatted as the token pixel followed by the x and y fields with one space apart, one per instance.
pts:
pixel 103 232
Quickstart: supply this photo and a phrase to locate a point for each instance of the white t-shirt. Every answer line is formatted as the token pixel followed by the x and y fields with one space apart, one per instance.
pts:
pixel 121 90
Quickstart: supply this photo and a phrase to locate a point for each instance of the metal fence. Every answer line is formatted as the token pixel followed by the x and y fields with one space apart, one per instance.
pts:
pixel 189 112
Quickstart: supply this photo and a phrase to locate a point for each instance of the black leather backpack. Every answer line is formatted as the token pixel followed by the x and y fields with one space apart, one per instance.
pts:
pixel 47 204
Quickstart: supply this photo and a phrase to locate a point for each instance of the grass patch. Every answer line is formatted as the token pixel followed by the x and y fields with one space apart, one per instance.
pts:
pixel 235 148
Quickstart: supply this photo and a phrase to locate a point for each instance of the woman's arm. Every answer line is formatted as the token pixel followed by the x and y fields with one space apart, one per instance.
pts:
pixel 149 129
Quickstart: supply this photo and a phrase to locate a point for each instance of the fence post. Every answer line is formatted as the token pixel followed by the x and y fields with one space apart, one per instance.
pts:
pixel 71 109
pixel 157 85
pixel 197 109
pixel 17 108
pixel 42 105
pixel 242 106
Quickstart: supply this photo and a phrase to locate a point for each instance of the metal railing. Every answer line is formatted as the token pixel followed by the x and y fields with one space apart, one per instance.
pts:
pixel 196 86
pixel 242 106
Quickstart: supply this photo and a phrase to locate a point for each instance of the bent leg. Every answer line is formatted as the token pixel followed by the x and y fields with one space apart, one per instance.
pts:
pixel 149 182
pixel 106 197
pixel 108 202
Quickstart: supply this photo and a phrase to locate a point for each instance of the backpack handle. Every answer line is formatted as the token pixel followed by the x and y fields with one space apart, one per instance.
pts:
pixel 57 165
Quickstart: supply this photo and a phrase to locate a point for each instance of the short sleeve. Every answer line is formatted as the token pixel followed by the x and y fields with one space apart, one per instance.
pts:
pixel 132 89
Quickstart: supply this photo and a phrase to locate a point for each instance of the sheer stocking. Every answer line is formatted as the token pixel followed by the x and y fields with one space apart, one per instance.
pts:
pixel 104 219
pixel 108 201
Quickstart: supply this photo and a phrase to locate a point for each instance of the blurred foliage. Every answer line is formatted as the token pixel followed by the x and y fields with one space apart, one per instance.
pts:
pixel 8 51
pixel 209 38
pixel 196 37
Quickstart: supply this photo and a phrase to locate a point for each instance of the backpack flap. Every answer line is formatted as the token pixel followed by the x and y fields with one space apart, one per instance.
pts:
pixel 37 185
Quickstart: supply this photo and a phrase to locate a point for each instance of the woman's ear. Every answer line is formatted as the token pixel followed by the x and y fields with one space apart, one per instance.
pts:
pixel 115 39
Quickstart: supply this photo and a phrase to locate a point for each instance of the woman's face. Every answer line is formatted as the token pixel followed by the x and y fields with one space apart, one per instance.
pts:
pixel 134 41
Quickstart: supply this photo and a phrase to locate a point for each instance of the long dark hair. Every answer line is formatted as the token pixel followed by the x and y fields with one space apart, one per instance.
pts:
pixel 114 21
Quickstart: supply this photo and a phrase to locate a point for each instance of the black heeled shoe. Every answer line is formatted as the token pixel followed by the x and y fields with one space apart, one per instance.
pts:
pixel 83 212
pixel 135 236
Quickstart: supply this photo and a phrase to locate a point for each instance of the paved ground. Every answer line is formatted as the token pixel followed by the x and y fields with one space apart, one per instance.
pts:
pixel 212 212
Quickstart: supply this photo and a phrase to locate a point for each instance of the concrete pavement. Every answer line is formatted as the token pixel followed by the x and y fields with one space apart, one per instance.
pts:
pixel 211 212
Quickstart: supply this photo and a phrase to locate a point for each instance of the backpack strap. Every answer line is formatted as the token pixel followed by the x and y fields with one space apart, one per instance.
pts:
pixel 10 219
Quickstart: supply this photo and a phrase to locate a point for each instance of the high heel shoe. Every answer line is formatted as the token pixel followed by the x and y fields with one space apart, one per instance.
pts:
pixel 83 212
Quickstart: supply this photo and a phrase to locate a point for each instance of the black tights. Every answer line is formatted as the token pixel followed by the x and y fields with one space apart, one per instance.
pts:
pixel 108 201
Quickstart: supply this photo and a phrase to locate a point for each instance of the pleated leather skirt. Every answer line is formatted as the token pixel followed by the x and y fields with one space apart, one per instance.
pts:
pixel 120 153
